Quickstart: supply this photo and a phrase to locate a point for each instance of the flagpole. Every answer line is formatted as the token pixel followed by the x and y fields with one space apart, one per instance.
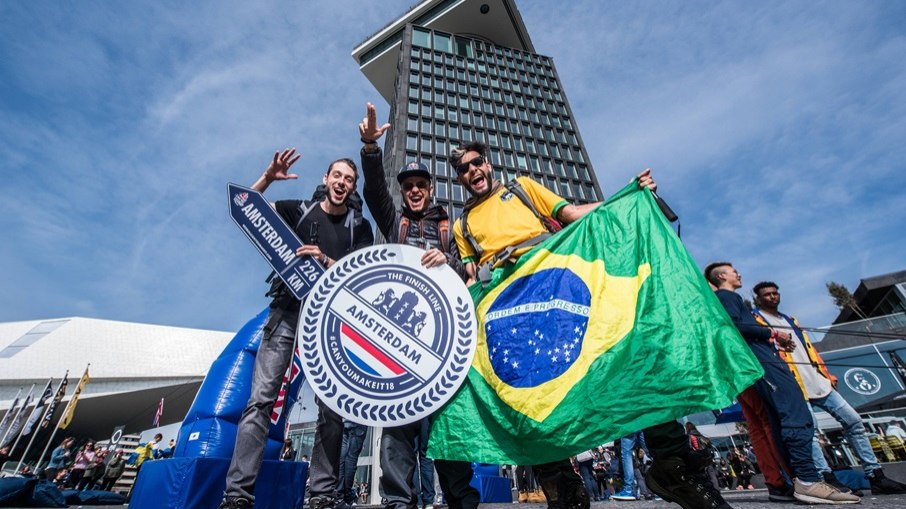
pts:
pixel 12 422
pixel 24 424
pixel 4 423
pixel 57 426
pixel 37 428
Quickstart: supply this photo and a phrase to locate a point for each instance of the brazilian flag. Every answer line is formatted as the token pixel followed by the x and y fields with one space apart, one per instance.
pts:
pixel 603 329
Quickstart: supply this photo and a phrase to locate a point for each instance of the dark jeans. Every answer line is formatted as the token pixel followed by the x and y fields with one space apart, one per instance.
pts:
pixel 424 481
pixel 790 417
pixel 324 470
pixel 353 441
pixel 454 478
pixel 591 486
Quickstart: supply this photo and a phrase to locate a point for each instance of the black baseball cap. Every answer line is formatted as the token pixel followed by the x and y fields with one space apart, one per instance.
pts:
pixel 413 169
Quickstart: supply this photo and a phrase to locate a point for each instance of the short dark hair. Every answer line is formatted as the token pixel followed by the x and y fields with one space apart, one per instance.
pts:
pixel 709 271
pixel 349 162
pixel 762 285
pixel 473 146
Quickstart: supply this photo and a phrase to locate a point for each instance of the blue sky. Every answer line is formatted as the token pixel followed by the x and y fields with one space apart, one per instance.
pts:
pixel 777 130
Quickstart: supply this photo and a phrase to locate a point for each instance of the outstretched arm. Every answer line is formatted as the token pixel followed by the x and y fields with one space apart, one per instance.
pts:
pixel 571 213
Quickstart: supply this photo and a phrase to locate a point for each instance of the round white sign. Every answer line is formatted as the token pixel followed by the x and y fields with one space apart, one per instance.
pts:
pixel 384 341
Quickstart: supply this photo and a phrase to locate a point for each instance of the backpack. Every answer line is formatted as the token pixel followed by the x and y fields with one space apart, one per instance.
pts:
pixel 443 230
pixel 550 224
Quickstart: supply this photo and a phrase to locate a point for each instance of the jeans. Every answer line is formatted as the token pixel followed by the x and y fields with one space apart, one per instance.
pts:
pixel 628 444
pixel 591 486
pixel 274 355
pixel 424 479
pixel 846 415
pixel 353 441
pixel 790 417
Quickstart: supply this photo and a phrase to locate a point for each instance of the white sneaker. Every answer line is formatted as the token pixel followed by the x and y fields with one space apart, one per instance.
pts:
pixel 822 493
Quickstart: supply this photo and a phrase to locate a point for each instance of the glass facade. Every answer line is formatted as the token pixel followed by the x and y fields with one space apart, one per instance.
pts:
pixel 454 89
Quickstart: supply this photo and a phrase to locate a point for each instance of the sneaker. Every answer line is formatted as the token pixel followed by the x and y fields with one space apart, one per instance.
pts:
pixel 321 502
pixel 672 480
pixel 881 485
pixel 235 503
pixel 822 493
pixel 784 494
pixel 624 494
pixel 831 479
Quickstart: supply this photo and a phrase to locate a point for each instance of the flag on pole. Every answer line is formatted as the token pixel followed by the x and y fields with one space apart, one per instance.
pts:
pixel 70 408
pixel 8 418
pixel 603 329
pixel 288 379
pixel 61 391
pixel 16 424
pixel 39 408
pixel 159 413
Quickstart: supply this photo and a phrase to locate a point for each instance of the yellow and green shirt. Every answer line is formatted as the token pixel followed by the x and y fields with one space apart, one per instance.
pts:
pixel 502 220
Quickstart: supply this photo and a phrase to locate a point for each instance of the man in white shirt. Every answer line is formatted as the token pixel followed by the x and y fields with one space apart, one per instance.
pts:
pixel 819 385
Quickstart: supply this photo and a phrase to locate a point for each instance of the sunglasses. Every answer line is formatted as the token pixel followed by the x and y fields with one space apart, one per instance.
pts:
pixel 421 184
pixel 464 167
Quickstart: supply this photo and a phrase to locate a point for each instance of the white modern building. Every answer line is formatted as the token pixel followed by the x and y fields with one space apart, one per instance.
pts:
pixel 132 366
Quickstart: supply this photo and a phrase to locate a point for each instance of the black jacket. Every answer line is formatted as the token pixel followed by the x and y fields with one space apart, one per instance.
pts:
pixel 423 230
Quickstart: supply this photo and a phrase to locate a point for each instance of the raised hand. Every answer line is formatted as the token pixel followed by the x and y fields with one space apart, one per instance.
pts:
pixel 646 180
pixel 368 128
pixel 278 168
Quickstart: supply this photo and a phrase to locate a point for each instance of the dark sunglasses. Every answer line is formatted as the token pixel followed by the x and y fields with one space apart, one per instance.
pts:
pixel 464 167
pixel 421 184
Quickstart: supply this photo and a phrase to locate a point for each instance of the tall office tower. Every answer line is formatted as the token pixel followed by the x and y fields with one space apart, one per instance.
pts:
pixel 455 71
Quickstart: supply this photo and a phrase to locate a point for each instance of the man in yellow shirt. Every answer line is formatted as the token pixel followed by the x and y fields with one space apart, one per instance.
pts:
pixel 496 227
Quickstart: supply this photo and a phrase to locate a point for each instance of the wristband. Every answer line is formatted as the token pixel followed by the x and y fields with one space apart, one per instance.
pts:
pixel 368 142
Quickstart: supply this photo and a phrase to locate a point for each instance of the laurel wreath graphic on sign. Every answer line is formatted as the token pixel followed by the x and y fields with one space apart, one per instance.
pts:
pixel 319 379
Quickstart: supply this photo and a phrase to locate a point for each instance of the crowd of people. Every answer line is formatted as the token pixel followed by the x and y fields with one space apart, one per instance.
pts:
pixel 88 467
pixel 493 231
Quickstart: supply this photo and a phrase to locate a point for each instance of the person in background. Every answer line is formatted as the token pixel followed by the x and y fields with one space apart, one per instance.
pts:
pixel 80 464
pixel 115 468
pixel 288 453
pixel 59 458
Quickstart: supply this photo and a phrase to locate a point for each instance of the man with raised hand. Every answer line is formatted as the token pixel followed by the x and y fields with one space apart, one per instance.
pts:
pixel 778 390
pixel 329 230
pixel 495 229
pixel 417 222
pixel 819 387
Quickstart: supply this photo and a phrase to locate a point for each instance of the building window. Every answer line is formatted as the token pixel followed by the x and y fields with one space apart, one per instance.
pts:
pixel 443 42
pixel 441 189
pixel 421 38
pixel 464 47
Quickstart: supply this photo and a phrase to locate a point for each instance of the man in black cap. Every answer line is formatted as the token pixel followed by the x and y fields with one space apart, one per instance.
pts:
pixel 416 223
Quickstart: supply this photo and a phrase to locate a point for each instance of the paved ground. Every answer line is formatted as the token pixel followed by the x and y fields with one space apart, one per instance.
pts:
pixel 755 499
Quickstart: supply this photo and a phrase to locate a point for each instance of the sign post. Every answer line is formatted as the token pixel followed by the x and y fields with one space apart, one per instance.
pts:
pixel 274 239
